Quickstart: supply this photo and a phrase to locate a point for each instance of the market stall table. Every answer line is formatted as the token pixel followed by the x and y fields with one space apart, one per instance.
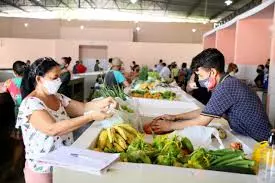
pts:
pixel 145 173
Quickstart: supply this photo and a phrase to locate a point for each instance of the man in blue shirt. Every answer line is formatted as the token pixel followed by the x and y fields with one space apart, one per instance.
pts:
pixel 230 97
pixel 114 77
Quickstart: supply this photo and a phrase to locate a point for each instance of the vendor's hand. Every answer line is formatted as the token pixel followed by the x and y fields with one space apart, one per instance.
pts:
pixel 160 126
pixel 167 117
pixel 98 115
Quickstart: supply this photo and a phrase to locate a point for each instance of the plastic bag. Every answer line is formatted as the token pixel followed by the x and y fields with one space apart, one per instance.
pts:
pixel 131 116
pixel 200 136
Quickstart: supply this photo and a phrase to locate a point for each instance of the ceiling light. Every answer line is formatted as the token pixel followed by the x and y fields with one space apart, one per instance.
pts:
pixel 228 2
pixel 26 24
pixel 138 28
pixel 82 27
pixel 133 1
pixel 194 30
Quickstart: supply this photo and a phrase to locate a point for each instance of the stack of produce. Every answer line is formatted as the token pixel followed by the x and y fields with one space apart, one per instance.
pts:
pixel 163 151
pixel 114 92
pixel 143 74
pixel 229 160
pixel 116 139
pixel 179 152
pixel 167 95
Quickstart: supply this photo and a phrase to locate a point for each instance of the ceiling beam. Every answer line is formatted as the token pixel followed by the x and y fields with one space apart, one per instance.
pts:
pixel 39 4
pixel 115 1
pixel 8 2
pixel 227 8
pixel 91 3
pixel 167 5
pixel 193 8
pixel 65 4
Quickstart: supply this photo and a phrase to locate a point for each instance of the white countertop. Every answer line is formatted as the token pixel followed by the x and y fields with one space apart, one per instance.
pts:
pixel 144 173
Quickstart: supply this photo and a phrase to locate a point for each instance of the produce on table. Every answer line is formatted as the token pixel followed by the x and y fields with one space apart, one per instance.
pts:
pixel 163 151
pixel 143 74
pixel 116 139
pixel 176 151
pixel 153 76
pixel 179 152
pixel 167 95
pixel 229 160
pixel 115 91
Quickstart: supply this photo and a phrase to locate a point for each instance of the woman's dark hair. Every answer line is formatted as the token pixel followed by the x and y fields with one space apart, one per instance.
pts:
pixel 67 60
pixel 39 68
pixel 261 66
pixel 183 65
pixel 209 58
pixel 110 60
pixel 19 67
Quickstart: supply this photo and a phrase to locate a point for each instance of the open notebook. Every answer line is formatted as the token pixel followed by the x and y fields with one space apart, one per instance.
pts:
pixel 80 159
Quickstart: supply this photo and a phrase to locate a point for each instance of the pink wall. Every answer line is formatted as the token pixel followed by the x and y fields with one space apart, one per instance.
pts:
pixel 24 49
pixel 102 30
pixel 253 41
pixel 96 34
pixel 209 41
pixel 142 53
pixel 225 42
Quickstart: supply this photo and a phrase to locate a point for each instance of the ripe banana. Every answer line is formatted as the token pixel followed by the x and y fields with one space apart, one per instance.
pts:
pixel 109 145
pixel 129 128
pixel 130 137
pixel 120 141
pixel 121 132
pixel 102 139
pixel 111 133
pixel 117 147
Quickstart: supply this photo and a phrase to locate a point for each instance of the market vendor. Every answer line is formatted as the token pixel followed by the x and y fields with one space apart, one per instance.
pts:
pixel 47 118
pixel 230 97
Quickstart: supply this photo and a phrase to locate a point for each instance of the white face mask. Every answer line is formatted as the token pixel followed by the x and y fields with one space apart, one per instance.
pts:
pixel 52 86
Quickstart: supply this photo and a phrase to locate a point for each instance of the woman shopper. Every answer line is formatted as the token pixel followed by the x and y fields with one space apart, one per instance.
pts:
pixel 48 118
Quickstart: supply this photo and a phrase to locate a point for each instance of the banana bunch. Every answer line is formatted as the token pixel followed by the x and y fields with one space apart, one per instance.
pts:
pixel 116 139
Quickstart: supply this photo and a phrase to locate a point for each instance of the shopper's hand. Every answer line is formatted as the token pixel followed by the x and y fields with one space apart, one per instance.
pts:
pixel 192 85
pixel 98 115
pixel 167 117
pixel 161 126
pixel 106 104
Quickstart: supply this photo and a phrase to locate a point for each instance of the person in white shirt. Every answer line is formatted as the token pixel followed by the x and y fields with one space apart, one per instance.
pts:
pixel 165 72
pixel 159 66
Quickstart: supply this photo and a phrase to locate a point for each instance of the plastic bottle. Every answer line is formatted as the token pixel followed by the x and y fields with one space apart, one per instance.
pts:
pixel 267 163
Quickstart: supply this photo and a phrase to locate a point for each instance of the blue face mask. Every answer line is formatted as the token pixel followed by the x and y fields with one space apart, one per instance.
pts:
pixel 204 83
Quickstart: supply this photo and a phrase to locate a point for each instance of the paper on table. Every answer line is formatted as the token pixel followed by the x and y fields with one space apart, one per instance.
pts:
pixel 83 160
